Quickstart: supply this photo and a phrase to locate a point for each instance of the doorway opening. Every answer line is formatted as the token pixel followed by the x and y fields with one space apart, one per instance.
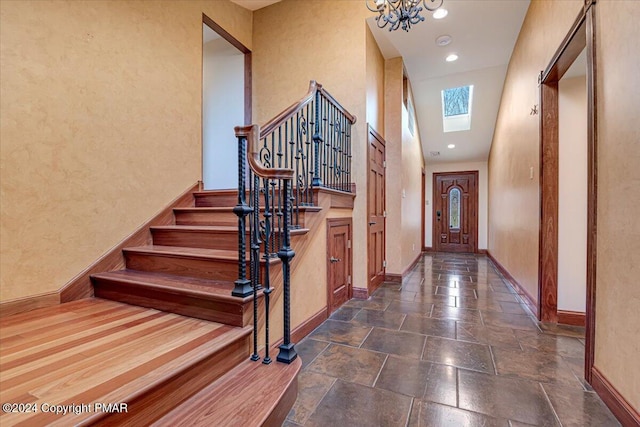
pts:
pixel 376 209
pixel 226 103
pixel 581 37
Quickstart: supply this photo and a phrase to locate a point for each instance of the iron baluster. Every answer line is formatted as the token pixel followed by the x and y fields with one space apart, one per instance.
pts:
pixel 267 278
pixel 254 191
pixel 242 286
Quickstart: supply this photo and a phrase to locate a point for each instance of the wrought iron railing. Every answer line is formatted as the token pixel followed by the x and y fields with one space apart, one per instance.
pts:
pixel 308 145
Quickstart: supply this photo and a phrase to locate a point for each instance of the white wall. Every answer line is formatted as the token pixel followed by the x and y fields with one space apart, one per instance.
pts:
pixel 572 194
pixel 222 110
pixel 481 167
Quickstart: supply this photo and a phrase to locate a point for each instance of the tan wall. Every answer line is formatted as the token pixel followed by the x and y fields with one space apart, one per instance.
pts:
pixel 375 84
pixel 412 162
pixel 290 50
pixel 393 135
pixel 618 293
pixel 101 128
pixel 514 208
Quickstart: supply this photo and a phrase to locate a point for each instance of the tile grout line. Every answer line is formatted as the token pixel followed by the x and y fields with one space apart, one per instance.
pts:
pixel 493 360
pixel 380 371
pixel 406 424
pixel 550 404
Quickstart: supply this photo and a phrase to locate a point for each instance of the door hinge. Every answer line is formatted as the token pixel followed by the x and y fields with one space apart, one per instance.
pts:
pixel 384 163
pixel 384 264
pixel 348 244
pixel 348 280
pixel 384 214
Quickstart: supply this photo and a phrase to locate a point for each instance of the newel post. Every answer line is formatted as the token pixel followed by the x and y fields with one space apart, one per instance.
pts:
pixel 317 140
pixel 287 352
pixel 242 286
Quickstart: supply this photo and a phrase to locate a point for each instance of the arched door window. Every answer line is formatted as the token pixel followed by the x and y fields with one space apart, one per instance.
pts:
pixel 454 208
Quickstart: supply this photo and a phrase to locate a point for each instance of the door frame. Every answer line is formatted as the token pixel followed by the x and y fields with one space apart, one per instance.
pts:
pixel 247 64
pixel 371 133
pixel 338 222
pixel 435 241
pixel 580 36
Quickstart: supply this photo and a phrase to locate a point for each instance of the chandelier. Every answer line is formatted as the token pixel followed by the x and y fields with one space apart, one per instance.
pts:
pixel 405 13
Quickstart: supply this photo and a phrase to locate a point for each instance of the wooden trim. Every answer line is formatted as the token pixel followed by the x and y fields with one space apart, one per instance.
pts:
pixel 427 249
pixel 575 318
pixel 621 408
pixel 339 199
pixel 248 88
pixel 225 34
pixel 252 134
pixel 520 290
pixel 20 305
pixel 80 286
pixel 549 161
pixel 483 251
pixel 592 192
pixel 569 49
pixel 392 277
pixel 360 293
pixel 434 240
pixel 423 209
pixel 306 327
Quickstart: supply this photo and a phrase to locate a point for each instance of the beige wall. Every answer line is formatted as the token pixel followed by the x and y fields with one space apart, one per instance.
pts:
pixel 289 51
pixel 393 136
pixel 514 208
pixel 375 84
pixel 483 197
pixel 572 194
pixel 101 128
pixel 412 162
pixel 618 293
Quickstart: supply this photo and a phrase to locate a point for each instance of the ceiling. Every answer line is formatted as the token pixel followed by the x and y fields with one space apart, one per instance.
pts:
pixel 254 4
pixel 484 33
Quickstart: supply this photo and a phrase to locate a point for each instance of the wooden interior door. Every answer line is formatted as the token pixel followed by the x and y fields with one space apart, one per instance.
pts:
pixel 339 289
pixel 455 206
pixel 376 209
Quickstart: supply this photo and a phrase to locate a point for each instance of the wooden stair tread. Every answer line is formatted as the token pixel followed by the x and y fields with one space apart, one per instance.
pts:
pixel 187 252
pixel 143 357
pixel 216 228
pixel 194 286
pixel 230 209
pixel 248 395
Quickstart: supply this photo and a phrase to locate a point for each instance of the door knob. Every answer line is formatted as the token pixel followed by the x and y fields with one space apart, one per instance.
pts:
pixel 372 222
pixel 332 259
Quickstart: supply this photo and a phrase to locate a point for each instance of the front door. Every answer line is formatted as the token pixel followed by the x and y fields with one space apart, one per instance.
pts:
pixel 376 209
pixel 338 262
pixel 455 205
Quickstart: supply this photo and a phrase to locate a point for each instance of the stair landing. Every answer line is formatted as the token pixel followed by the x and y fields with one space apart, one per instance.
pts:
pixel 95 351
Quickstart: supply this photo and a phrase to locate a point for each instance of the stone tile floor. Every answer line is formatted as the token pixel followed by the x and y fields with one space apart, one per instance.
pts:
pixel 450 346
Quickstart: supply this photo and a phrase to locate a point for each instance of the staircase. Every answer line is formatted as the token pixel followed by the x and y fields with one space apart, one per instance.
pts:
pixel 165 341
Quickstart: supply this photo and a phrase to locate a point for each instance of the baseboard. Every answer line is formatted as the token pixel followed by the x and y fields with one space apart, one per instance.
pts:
pixel 80 286
pixel 618 405
pixel 520 290
pixel 360 293
pixel 20 305
pixel 575 318
pixel 393 278
pixel 427 249
pixel 482 251
pixel 397 278
pixel 306 327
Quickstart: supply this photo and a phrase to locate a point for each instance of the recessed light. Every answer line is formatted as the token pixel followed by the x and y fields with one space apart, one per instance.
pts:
pixel 452 57
pixel 443 40
pixel 440 13
pixel 451 146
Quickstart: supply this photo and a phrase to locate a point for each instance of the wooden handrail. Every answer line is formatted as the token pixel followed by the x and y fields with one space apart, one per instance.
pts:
pixel 251 133
pixel 295 107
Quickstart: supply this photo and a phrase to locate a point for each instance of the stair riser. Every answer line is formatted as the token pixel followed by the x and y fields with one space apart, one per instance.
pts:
pixel 156 402
pixel 200 239
pixel 221 218
pixel 229 313
pixel 184 266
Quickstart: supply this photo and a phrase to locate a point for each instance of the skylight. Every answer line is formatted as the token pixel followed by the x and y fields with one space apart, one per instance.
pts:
pixel 456 108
